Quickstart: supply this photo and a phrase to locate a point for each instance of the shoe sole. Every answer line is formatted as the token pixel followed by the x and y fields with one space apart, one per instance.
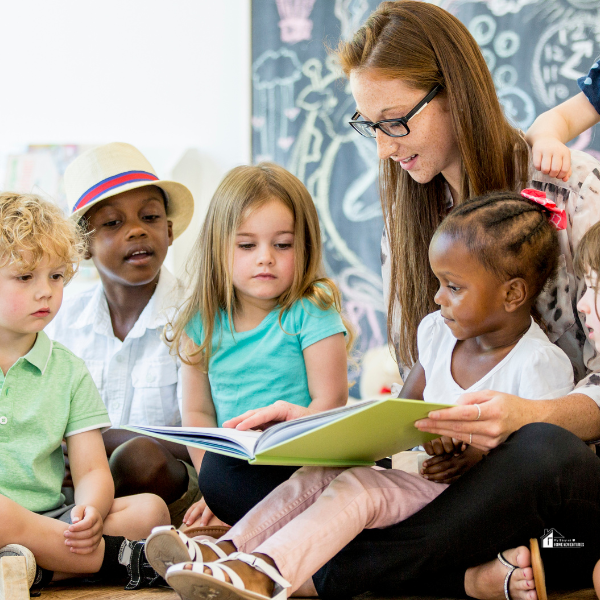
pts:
pixel 198 586
pixel 164 549
pixel 18 550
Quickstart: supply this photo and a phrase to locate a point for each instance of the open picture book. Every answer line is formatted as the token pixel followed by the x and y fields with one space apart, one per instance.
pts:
pixel 357 434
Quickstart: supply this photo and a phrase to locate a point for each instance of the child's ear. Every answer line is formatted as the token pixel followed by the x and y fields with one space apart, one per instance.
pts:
pixel 516 294
pixel 170 231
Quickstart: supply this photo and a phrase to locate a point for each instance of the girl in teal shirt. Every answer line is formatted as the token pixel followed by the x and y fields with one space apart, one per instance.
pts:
pixel 262 324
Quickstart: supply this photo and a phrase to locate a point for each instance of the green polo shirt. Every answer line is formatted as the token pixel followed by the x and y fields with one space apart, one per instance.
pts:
pixel 46 395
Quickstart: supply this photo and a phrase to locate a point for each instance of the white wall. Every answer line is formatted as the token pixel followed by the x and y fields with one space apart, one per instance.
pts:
pixel 171 77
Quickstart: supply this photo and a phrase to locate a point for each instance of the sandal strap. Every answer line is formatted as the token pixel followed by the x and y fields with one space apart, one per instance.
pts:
pixel 511 569
pixel 218 551
pixel 261 565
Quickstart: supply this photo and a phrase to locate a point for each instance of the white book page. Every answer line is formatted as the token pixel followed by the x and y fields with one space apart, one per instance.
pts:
pixel 291 429
pixel 245 439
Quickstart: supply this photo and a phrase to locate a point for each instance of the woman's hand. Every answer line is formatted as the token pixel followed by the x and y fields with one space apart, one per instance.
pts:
pixel 261 418
pixel 485 427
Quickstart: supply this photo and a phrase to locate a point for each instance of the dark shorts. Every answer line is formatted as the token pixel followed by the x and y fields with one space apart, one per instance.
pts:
pixel 62 513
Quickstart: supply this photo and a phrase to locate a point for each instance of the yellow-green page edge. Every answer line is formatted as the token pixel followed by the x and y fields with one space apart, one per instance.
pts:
pixel 361 437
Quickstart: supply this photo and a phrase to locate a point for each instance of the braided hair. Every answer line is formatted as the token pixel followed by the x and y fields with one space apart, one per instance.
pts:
pixel 509 235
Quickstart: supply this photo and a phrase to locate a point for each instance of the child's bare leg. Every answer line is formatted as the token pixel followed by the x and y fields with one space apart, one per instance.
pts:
pixel 596 578
pixel 134 517
pixel 486 582
pixel 45 538
pixel 143 465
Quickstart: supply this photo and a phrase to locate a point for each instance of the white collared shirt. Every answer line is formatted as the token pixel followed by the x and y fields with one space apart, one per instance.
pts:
pixel 139 381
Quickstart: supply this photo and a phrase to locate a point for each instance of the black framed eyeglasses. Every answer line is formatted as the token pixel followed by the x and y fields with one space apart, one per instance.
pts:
pixel 392 127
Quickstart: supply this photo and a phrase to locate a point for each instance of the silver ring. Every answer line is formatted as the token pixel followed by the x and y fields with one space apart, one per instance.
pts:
pixel 470 438
pixel 478 412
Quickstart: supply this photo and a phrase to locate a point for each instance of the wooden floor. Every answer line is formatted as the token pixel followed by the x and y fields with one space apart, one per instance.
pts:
pixel 104 592
pixel 100 592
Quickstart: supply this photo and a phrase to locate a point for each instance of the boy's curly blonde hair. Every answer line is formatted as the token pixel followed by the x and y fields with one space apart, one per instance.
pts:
pixel 32 228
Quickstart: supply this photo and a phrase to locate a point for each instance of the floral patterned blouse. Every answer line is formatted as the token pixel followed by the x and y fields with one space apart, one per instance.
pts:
pixel 580 198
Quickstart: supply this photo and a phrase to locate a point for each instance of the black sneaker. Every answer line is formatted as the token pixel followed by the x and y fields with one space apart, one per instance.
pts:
pixel 141 574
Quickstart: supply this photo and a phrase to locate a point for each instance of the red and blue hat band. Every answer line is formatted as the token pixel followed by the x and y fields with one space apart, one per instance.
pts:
pixel 110 183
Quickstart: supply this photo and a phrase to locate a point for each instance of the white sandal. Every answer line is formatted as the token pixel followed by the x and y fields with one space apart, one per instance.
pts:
pixel 167 546
pixel 195 584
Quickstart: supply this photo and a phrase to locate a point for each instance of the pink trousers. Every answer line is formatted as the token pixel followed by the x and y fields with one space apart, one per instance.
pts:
pixel 308 519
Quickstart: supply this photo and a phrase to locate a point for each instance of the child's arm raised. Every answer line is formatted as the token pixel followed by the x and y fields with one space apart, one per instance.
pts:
pixel 553 129
pixel 94 490
pixel 327 372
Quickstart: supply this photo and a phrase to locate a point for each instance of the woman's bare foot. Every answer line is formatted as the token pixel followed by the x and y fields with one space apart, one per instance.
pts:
pixel 486 582
pixel 209 555
pixel 596 578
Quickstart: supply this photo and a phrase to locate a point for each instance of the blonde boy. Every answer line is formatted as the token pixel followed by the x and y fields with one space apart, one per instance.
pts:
pixel 47 394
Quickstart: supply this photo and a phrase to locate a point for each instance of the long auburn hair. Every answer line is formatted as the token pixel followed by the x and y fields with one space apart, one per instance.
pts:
pixel 243 190
pixel 425 45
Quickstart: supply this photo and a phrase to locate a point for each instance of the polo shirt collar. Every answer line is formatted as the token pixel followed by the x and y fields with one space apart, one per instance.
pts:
pixel 155 314
pixel 40 354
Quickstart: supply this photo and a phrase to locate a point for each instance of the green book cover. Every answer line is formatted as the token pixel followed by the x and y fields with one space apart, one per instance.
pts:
pixel 358 434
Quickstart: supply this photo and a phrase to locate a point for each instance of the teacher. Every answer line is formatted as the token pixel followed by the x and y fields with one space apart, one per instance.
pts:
pixel 424 92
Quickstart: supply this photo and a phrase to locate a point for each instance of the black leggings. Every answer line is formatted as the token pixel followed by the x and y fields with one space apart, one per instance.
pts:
pixel 231 487
pixel 542 477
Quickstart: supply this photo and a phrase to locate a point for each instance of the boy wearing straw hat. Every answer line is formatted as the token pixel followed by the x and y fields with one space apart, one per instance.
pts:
pixel 133 217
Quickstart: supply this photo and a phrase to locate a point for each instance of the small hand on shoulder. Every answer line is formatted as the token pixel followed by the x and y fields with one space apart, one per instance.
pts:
pixel 552 157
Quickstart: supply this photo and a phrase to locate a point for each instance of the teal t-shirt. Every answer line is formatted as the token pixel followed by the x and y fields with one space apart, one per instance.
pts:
pixel 255 368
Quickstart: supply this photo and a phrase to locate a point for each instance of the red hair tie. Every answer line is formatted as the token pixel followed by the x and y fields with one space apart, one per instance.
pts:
pixel 558 217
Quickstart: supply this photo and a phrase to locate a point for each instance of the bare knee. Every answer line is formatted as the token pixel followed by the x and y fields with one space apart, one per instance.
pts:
pixel 153 510
pixel 138 465
pixel 135 516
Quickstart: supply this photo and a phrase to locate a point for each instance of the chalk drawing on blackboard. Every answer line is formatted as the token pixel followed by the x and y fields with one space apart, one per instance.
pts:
pixel 363 301
pixel 295 23
pixel 273 101
pixel 563 53
pixel 351 14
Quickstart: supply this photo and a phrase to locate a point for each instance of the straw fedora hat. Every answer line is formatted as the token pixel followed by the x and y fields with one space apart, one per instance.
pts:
pixel 114 168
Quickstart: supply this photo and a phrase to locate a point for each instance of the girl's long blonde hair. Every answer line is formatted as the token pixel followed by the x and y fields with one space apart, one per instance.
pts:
pixel 243 190
pixel 424 45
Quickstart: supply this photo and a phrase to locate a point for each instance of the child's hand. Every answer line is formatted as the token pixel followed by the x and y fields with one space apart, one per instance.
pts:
pixel 443 445
pixel 447 468
pixel 261 418
pixel 552 158
pixel 84 535
pixel 199 515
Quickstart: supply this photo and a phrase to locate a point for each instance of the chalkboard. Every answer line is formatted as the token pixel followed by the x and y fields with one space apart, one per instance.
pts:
pixel 535 49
